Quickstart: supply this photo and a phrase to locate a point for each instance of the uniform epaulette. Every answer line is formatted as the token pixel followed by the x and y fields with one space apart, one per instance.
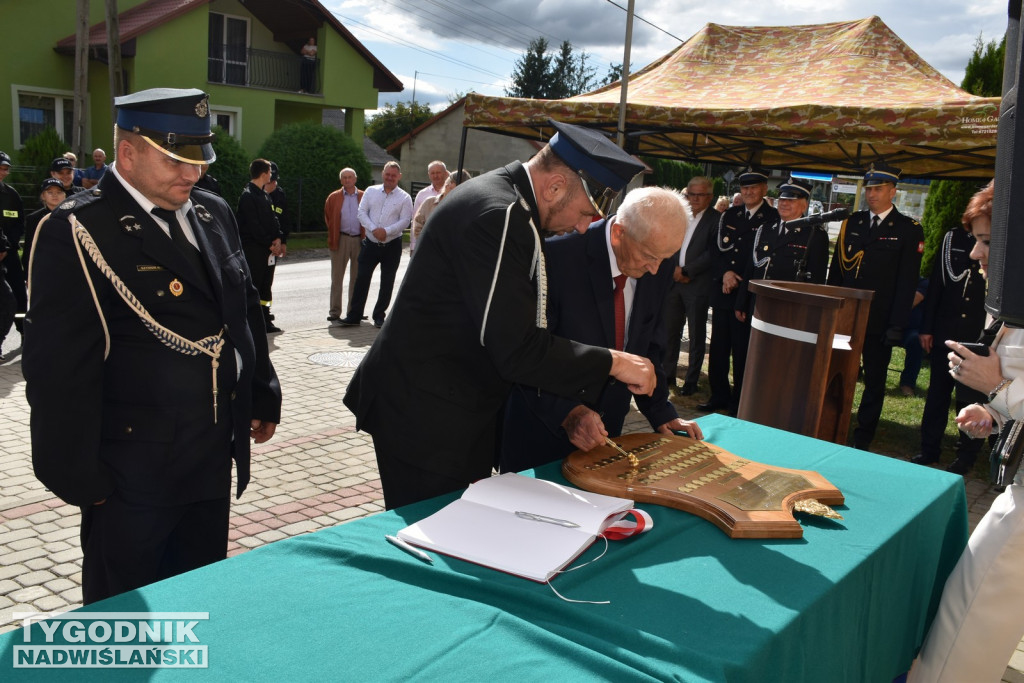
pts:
pixel 79 201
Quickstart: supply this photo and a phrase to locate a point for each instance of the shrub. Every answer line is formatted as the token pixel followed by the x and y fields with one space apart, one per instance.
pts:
pixel 38 153
pixel 231 169
pixel 309 157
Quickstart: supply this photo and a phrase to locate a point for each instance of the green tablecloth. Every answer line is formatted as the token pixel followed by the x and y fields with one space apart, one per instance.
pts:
pixel 848 602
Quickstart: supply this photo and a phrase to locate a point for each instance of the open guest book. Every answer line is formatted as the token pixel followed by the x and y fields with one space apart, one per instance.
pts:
pixel 529 527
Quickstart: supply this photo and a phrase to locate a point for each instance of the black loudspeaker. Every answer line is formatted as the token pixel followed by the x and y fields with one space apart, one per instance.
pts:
pixel 1006 254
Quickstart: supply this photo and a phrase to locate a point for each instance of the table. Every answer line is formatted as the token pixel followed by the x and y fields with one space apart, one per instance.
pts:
pixel 848 602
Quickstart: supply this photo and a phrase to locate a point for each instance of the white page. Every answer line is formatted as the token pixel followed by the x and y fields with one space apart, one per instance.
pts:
pixel 498 539
pixel 515 492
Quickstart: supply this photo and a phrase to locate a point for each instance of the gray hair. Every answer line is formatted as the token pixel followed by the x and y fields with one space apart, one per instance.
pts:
pixel 648 208
pixel 347 170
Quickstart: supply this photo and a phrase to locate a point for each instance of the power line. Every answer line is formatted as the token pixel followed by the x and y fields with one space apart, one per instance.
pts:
pixel 638 17
pixel 419 48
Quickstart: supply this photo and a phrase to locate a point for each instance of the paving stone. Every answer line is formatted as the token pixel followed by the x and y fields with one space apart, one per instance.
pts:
pixel 39 563
pixel 29 594
pixel 35 578
pixel 51 603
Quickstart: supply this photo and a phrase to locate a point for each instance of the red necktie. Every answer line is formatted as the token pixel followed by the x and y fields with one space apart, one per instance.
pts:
pixel 620 311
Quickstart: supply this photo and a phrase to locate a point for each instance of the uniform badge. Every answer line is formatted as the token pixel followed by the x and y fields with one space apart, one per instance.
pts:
pixel 129 224
pixel 203 108
pixel 920 247
pixel 68 205
pixel 176 287
pixel 203 213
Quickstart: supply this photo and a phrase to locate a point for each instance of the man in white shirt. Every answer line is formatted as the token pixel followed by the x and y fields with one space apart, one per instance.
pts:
pixel 438 173
pixel 384 213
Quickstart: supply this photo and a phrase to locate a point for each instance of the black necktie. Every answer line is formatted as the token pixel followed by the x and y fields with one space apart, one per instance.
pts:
pixel 874 222
pixel 783 229
pixel 186 248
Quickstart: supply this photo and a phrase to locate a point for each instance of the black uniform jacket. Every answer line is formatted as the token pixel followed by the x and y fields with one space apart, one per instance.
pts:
pixel 886 261
pixel 581 307
pixel 115 410
pixel 464 328
pixel 954 306
pixel 732 246
pixel 257 221
pixel 801 255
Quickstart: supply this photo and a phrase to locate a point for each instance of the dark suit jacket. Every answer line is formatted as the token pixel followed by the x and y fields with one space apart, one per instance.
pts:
pixel 890 266
pixel 698 251
pixel 114 409
pixel 431 372
pixel 580 307
pixel 954 308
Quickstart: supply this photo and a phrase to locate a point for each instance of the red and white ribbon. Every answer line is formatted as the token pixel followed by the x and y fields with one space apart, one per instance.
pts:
pixel 640 523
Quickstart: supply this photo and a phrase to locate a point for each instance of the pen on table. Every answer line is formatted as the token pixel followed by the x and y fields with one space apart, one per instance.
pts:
pixel 415 552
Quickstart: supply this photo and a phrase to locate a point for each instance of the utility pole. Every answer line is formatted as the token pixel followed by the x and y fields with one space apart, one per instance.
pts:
pixel 114 55
pixel 81 77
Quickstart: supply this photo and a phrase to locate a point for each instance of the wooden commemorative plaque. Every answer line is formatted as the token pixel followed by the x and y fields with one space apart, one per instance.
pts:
pixel 743 498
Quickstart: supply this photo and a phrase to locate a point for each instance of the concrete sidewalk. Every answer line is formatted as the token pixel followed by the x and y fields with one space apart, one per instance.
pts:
pixel 316 472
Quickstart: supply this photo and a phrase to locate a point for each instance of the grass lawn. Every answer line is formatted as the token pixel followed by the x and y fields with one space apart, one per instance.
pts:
pixel 899 430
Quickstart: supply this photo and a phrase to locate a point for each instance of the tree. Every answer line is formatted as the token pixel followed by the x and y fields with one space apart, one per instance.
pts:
pixel 231 169
pixel 539 75
pixel 37 154
pixel 614 74
pixel 394 121
pixel 309 157
pixel 947 199
pixel 530 73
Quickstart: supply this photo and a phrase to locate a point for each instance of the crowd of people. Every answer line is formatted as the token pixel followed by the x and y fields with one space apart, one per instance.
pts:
pixel 529 308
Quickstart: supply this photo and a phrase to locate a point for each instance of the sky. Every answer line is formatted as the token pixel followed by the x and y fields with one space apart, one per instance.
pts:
pixel 444 48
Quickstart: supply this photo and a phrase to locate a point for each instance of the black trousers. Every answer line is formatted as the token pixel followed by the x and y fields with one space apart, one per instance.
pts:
pixel 875 357
pixel 372 254
pixel 685 305
pixel 127 546
pixel 729 338
pixel 936 409
pixel 15 277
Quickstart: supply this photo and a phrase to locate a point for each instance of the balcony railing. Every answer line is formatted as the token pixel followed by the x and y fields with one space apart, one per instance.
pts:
pixel 253 68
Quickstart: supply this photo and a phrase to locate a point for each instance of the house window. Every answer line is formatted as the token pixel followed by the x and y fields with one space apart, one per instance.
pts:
pixel 228 118
pixel 40 110
pixel 228 51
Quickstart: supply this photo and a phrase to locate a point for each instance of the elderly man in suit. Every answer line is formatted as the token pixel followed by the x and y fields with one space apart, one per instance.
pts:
pixel 688 298
pixel 470 319
pixel 605 288
pixel 146 356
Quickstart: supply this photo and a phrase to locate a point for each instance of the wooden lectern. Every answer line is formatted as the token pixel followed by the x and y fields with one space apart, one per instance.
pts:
pixel 803 358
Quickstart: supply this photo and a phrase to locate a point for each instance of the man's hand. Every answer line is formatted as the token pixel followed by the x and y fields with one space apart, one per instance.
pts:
pixel 926 342
pixel 741 316
pixel 284 250
pixel 692 429
pixel 584 428
pixel 730 281
pixel 636 372
pixel 677 274
pixel 261 431
pixel 380 234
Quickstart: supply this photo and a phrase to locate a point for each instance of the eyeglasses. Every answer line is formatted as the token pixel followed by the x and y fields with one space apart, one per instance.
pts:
pixel 602 200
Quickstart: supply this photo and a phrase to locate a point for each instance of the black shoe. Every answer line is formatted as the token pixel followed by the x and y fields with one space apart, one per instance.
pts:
pixel 922 459
pixel 711 407
pixel 273 329
pixel 348 322
pixel 378 323
pixel 961 465
pixel 688 390
pixel 332 318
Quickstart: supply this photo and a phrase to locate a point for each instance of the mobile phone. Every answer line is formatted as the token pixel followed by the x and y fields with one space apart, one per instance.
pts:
pixel 976 348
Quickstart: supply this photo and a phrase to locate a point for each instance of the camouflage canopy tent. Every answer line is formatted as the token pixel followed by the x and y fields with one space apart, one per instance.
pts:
pixel 826 97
